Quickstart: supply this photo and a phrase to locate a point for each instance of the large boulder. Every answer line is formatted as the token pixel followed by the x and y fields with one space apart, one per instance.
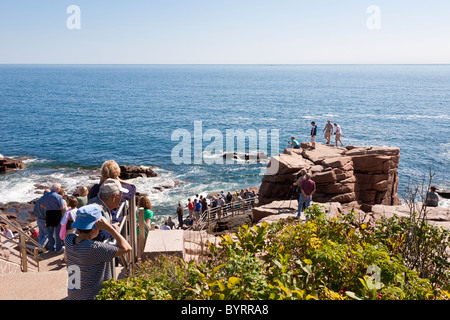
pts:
pixel 363 175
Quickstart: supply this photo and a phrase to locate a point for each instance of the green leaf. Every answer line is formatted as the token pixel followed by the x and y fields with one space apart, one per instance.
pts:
pixel 232 281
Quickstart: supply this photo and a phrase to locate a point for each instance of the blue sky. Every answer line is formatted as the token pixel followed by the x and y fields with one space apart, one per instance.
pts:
pixel 219 31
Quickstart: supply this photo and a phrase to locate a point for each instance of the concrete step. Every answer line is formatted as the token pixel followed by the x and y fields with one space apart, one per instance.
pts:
pixel 168 242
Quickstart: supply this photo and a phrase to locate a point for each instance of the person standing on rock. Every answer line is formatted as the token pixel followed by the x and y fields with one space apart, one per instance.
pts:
pixel 328 131
pixel 307 189
pixel 338 134
pixel 313 135
pixel 53 205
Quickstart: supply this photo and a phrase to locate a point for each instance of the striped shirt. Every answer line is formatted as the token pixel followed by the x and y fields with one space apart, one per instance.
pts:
pixel 88 266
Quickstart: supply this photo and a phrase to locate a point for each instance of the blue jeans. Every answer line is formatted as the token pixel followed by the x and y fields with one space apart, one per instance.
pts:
pixel 53 232
pixel 43 232
pixel 302 200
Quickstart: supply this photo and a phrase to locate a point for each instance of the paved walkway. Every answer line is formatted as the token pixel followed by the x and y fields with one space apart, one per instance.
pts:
pixel 48 284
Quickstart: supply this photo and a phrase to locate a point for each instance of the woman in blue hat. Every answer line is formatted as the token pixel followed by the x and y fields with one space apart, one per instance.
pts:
pixel 88 261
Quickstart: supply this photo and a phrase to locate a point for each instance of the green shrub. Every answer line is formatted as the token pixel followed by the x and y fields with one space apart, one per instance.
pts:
pixel 324 258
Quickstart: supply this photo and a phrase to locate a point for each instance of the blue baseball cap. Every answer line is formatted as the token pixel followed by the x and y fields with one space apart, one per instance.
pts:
pixel 87 216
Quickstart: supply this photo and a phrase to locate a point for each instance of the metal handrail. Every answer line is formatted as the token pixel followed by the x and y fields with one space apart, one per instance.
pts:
pixel 27 237
pixel 18 236
pixel 244 205
pixel 127 228
pixel 121 212
pixel 22 243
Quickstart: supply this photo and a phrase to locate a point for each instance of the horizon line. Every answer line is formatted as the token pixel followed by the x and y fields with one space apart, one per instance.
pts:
pixel 205 64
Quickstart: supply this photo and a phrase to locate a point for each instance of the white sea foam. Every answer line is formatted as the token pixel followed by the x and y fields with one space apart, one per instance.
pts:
pixel 24 187
pixel 17 191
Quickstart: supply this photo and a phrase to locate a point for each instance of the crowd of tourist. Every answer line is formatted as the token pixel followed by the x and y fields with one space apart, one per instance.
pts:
pixel 81 225
pixel 220 205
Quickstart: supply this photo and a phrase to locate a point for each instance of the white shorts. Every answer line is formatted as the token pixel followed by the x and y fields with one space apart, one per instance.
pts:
pixel 313 139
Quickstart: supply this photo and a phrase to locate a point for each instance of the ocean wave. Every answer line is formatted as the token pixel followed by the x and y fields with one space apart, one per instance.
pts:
pixel 416 116
pixel 28 185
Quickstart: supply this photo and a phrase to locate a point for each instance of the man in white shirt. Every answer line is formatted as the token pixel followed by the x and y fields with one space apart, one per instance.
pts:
pixel 7 232
pixel 338 134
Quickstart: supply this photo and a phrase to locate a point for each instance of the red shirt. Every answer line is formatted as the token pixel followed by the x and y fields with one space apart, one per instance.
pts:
pixel 190 206
pixel 308 186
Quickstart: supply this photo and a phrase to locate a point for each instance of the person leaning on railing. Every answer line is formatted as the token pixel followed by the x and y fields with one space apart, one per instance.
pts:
pixel 108 199
pixel 89 261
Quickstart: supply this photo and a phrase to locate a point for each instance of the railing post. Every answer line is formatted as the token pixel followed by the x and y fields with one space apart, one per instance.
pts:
pixel 23 251
pixel 132 216
pixel 141 232
pixel 36 257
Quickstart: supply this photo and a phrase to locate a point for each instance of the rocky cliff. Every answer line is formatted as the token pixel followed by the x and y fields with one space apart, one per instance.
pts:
pixel 360 176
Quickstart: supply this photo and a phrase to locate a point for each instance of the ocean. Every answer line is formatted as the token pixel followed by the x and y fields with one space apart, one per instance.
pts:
pixel 69 119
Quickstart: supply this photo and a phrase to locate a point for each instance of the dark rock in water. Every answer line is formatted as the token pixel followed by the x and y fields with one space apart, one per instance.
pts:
pixel 444 193
pixel 9 164
pixel 258 157
pixel 131 172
